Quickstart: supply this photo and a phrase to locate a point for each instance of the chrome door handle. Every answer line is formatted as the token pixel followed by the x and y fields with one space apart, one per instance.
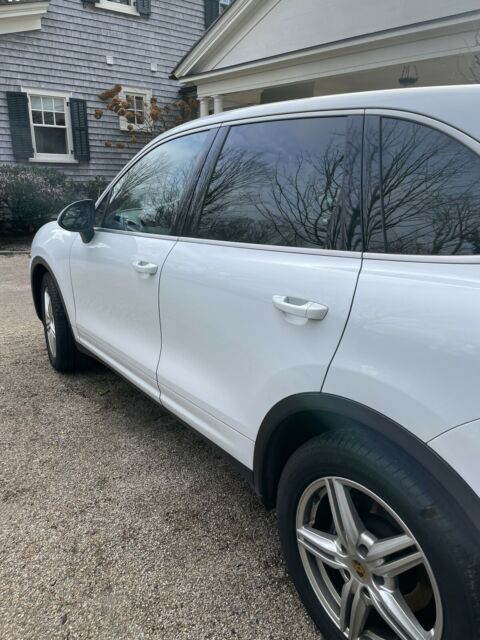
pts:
pixel 302 308
pixel 144 267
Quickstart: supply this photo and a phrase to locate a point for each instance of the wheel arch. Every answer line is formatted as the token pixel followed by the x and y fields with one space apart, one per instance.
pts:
pixel 298 418
pixel 38 269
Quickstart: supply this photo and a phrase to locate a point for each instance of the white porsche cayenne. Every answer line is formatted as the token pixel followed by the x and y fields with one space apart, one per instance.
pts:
pixel 300 283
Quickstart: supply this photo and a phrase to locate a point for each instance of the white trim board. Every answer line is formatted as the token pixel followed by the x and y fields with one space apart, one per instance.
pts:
pixel 15 18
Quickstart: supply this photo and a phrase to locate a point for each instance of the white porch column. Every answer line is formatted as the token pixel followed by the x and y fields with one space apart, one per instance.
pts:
pixel 217 104
pixel 204 107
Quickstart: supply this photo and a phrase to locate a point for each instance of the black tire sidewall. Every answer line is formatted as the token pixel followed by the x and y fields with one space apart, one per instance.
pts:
pixel 435 521
pixel 65 358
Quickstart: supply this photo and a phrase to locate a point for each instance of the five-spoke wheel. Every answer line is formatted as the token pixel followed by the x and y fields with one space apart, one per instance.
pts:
pixel 49 322
pixel 367 569
pixel 377 548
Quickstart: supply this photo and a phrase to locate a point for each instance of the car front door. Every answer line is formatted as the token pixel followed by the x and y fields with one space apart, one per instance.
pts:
pixel 116 275
pixel 256 293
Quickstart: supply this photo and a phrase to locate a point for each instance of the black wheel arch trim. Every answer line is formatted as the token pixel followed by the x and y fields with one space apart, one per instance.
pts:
pixel 334 411
pixel 38 261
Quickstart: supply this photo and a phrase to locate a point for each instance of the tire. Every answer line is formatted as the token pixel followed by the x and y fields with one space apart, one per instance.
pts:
pixel 348 468
pixel 62 350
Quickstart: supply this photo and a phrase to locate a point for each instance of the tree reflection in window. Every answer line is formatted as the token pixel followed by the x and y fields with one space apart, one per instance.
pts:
pixel 147 197
pixel 429 201
pixel 278 183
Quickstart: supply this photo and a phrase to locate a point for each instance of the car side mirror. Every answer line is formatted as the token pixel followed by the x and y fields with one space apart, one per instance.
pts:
pixel 79 216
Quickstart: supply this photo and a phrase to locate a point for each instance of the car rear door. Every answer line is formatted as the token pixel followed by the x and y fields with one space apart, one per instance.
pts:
pixel 116 275
pixel 255 295
pixel 411 349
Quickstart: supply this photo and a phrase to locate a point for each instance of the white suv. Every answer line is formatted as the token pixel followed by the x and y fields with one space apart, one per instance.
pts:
pixel 300 282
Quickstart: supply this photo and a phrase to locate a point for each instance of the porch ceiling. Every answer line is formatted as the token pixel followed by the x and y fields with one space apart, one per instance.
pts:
pixel 452 70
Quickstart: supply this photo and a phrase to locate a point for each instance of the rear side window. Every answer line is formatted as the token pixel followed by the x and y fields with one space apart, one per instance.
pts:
pixel 277 183
pixel 424 193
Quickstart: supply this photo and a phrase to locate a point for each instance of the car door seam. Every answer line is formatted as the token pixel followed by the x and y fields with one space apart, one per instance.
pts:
pixel 159 312
pixel 344 326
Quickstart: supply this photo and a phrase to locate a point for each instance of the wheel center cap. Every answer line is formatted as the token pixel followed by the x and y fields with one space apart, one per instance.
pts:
pixel 359 569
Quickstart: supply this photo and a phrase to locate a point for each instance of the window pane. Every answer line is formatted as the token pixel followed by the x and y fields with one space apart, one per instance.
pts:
pixel 47 103
pixel 36 102
pixel 430 190
pixel 146 198
pixel 277 183
pixel 50 140
pixel 224 4
pixel 60 119
pixel 48 117
pixel 37 117
pixel 59 104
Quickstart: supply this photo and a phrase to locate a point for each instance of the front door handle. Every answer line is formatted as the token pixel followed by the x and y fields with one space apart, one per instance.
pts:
pixel 145 267
pixel 302 308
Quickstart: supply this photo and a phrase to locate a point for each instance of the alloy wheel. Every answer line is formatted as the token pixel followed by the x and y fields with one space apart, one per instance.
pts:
pixel 366 568
pixel 49 323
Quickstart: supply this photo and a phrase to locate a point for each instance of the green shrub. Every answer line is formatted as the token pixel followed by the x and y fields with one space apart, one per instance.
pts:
pixel 91 189
pixel 31 196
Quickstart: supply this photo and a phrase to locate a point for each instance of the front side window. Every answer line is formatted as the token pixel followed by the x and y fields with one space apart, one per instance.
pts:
pixel 277 183
pixel 428 196
pixel 50 125
pixel 147 197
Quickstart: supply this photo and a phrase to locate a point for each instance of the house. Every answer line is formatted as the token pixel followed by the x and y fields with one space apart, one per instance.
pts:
pixel 58 56
pixel 268 50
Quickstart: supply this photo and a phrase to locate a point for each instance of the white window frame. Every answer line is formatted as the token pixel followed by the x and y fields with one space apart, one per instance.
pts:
pixel 146 94
pixel 223 5
pixel 67 158
pixel 130 9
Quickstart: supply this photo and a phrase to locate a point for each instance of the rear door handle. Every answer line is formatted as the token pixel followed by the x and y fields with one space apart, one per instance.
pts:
pixel 144 267
pixel 298 307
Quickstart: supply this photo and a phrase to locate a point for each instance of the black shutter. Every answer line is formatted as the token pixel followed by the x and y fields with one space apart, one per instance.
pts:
pixel 212 10
pixel 20 125
pixel 144 7
pixel 89 1
pixel 78 116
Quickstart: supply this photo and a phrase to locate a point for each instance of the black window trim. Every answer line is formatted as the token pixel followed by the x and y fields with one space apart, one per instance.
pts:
pixel 438 125
pixel 212 158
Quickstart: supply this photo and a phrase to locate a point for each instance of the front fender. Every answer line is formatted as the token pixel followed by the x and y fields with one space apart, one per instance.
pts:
pixel 51 252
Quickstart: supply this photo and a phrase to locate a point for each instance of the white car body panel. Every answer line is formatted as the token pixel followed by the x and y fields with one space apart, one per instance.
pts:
pixel 226 348
pixel 233 442
pixel 460 447
pixel 213 348
pixel 52 244
pixel 411 348
pixel 117 315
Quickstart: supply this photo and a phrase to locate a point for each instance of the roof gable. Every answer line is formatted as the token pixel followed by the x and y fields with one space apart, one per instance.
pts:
pixel 260 29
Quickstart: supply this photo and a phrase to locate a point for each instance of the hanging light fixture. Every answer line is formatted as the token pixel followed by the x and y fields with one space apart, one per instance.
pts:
pixel 409 76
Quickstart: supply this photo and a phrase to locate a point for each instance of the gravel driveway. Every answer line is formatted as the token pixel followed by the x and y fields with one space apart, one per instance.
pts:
pixel 117 521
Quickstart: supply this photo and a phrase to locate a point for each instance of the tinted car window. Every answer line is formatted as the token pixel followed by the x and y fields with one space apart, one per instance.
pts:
pixel 429 200
pixel 147 197
pixel 277 183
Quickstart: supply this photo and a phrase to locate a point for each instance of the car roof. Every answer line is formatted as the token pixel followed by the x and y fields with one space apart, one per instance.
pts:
pixel 457 105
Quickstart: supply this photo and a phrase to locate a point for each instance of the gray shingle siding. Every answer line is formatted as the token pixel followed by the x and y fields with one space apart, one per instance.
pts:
pixel 69 54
